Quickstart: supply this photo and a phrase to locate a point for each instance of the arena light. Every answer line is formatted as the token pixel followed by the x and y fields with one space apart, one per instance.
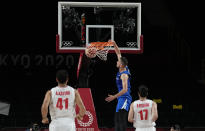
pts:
pixel 177 107
pixel 4 108
pixel 158 100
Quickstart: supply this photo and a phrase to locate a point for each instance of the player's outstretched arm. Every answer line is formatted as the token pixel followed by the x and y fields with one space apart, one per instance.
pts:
pixel 131 114
pixel 44 107
pixel 117 50
pixel 124 78
pixel 81 106
pixel 154 112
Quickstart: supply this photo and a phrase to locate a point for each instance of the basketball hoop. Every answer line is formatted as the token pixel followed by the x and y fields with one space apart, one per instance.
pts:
pixel 100 49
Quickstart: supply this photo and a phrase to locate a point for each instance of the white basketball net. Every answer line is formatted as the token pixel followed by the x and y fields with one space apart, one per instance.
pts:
pixel 102 53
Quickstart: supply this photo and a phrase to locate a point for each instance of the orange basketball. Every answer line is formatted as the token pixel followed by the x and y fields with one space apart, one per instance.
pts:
pixel 90 52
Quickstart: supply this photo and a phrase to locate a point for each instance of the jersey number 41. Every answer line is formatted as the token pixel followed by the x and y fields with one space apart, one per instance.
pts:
pixel 60 103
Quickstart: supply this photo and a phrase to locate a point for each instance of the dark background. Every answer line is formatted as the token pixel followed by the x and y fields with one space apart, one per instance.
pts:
pixel 172 65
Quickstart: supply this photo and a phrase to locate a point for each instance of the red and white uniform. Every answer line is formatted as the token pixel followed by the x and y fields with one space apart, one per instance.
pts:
pixel 62 109
pixel 143 115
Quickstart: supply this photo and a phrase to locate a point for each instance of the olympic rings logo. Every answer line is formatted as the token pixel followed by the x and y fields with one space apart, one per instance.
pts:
pixel 67 43
pixel 90 121
pixel 131 44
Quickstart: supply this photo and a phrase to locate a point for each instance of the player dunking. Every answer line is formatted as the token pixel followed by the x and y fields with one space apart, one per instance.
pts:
pixel 61 101
pixel 123 95
pixel 143 112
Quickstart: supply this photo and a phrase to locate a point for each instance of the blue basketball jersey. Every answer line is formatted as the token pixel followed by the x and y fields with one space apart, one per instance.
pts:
pixel 119 84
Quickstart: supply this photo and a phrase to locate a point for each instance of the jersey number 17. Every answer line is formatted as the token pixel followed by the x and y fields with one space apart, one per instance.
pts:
pixel 143 114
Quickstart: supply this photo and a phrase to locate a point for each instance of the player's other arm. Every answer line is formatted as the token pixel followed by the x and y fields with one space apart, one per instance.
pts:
pixel 44 107
pixel 80 104
pixel 131 114
pixel 154 112
pixel 124 78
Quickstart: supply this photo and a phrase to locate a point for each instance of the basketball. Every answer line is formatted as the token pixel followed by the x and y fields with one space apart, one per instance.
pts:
pixel 90 52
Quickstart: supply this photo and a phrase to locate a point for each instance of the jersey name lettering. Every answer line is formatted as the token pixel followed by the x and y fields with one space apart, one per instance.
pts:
pixel 142 105
pixel 61 93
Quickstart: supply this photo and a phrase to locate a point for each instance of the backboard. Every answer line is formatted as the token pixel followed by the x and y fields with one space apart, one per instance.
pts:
pixel 80 23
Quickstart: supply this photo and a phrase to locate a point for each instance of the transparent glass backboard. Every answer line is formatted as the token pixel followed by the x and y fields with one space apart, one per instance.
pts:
pixel 80 23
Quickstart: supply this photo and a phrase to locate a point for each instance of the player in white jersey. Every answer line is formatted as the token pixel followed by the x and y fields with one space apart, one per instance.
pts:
pixel 61 101
pixel 143 112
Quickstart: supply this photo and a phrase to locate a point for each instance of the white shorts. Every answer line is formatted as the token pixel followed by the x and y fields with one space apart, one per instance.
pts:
pixel 62 124
pixel 146 129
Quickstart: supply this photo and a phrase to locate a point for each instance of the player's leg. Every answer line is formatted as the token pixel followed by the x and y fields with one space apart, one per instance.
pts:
pixel 117 115
pixel 117 121
pixel 123 114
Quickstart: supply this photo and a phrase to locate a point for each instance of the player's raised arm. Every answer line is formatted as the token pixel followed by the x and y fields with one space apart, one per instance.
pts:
pixel 154 112
pixel 80 104
pixel 44 107
pixel 117 50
